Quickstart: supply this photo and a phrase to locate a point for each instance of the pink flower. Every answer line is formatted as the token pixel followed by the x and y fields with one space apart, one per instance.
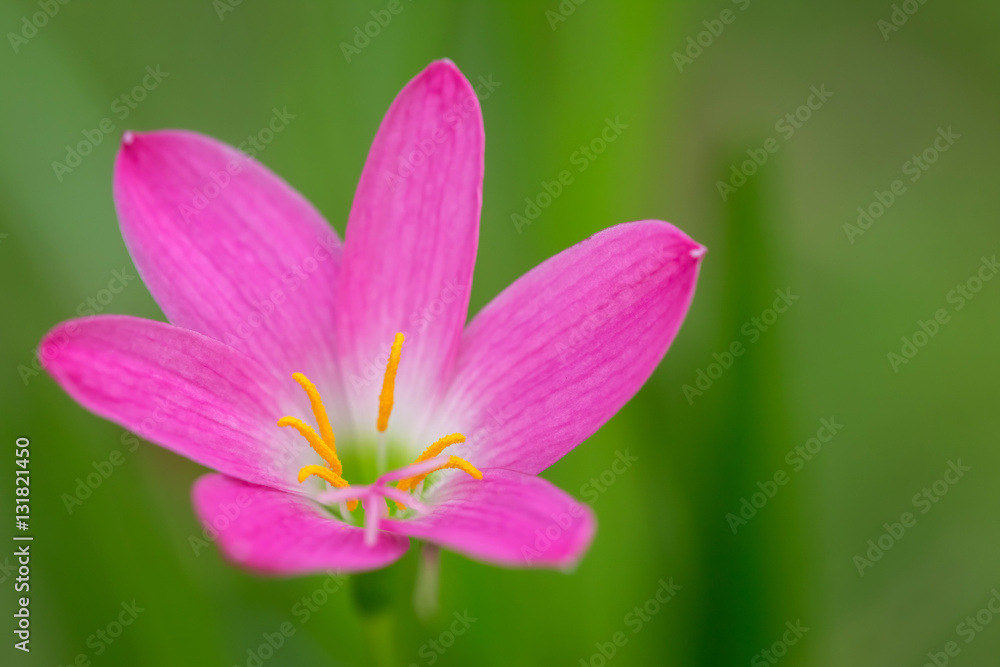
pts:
pixel 257 287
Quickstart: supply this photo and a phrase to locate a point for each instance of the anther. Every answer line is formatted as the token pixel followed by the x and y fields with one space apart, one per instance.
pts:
pixel 389 383
pixel 333 478
pixel 453 462
pixel 325 430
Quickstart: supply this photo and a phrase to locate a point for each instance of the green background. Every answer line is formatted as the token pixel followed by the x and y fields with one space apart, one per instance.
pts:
pixel 666 515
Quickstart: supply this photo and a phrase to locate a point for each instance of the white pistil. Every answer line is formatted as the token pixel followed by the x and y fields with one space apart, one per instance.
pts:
pixel 404 498
pixel 374 506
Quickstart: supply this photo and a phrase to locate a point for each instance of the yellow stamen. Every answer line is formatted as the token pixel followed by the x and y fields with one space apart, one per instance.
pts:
pixel 389 383
pixel 439 445
pixel 315 441
pixel 325 430
pixel 429 453
pixel 324 473
pixel 453 462
pixel 333 478
pixel 461 464
pixel 324 443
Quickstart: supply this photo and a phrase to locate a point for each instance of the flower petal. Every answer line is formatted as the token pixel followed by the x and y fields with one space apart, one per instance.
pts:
pixel 410 245
pixel 561 350
pixel 506 518
pixel 229 249
pixel 277 533
pixel 179 389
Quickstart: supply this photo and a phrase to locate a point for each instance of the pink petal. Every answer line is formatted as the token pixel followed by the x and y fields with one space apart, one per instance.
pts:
pixel 411 245
pixel 507 518
pixel 240 257
pixel 567 345
pixel 278 533
pixel 179 389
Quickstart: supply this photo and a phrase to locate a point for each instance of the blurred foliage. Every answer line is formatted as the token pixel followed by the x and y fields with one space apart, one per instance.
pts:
pixel 666 517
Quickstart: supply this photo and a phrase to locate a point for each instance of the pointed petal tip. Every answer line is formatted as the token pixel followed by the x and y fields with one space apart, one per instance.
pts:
pixel 442 70
pixel 446 66
pixel 128 149
pixel 54 340
pixel 443 63
pixel 699 252
pixel 131 139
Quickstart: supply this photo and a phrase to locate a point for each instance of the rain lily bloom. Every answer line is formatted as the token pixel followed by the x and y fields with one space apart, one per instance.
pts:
pixel 334 387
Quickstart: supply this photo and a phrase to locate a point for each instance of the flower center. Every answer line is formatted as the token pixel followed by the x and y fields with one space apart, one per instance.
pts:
pixel 324 442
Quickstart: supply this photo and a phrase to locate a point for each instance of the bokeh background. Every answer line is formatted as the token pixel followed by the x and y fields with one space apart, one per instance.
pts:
pixel 699 455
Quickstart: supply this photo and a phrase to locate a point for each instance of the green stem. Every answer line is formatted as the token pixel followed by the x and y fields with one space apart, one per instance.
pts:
pixel 373 594
pixel 379 634
pixel 425 593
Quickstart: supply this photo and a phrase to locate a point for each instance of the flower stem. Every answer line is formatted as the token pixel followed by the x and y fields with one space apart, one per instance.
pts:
pixel 425 593
pixel 372 593
pixel 378 630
